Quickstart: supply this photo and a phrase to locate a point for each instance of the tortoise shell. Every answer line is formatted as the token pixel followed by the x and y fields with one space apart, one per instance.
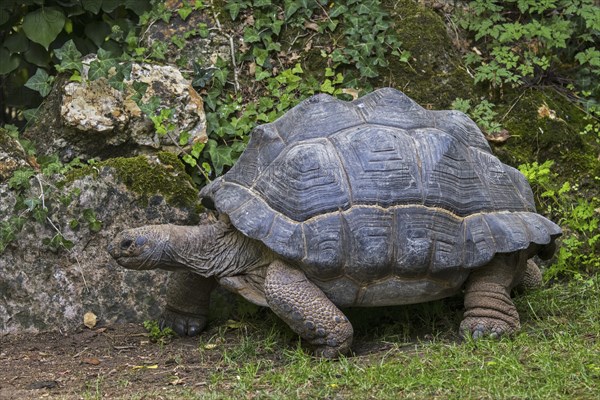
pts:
pixel 379 191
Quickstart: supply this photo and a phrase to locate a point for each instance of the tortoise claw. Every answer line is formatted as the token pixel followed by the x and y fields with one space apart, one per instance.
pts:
pixel 183 324
pixel 489 327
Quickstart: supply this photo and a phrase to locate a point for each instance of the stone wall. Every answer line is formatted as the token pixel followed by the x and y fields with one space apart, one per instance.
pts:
pixel 55 224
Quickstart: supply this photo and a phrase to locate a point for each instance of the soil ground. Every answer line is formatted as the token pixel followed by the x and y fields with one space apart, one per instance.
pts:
pixel 117 361
pixel 69 366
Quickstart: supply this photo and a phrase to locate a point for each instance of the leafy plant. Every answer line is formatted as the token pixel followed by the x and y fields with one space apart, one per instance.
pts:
pixel 38 201
pixel 362 32
pixel 521 42
pixel 32 31
pixel 157 335
pixel 90 217
pixel 579 218
pixel 483 114
pixel 231 117
pixel 369 40
pixel 9 230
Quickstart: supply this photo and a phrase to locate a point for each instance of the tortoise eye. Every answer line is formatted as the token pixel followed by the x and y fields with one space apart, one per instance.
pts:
pixel 140 240
pixel 125 244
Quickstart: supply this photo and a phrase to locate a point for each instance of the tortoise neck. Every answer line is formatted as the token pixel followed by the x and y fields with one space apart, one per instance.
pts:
pixel 214 250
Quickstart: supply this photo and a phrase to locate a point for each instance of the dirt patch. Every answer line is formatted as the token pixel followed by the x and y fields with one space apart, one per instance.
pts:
pixel 120 361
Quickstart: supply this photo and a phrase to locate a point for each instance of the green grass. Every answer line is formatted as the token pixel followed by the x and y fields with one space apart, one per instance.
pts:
pixel 555 356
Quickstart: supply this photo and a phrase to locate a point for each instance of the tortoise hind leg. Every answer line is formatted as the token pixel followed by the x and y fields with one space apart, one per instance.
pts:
pixel 306 309
pixel 188 299
pixel 532 278
pixel 489 308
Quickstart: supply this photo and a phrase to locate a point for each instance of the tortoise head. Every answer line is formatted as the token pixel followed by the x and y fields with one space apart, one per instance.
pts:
pixel 141 248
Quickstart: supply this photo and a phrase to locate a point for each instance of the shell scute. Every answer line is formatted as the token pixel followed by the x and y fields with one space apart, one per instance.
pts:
pixel 318 117
pixel 325 252
pixel 379 168
pixel 369 251
pixel 306 180
pixel 460 126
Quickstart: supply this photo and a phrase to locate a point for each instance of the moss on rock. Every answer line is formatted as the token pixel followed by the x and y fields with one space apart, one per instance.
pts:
pixel 142 175
pixel 544 125
pixel 434 76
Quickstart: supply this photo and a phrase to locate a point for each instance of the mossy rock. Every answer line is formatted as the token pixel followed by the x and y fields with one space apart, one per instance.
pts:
pixel 435 76
pixel 544 125
pixel 165 176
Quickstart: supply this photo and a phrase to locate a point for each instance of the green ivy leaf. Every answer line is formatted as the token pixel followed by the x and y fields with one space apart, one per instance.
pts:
pixel 58 241
pixel 197 149
pixel 138 6
pixel 92 5
pixel 101 67
pixel 219 155
pixel 110 5
pixel 70 57
pixel 234 9
pixel 117 82
pixel 8 62
pixel 89 215
pixel 291 7
pixel 140 90
pixel 202 75
pixel 191 161
pixel 276 26
pixel 40 214
pixel 97 32
pixel 43 25
pixel 338 10
pixel 37 55
pixel 184 12
pixel 16 43
pixel 364 9
pixel 327 87
pixel 251 35
pixel 184 137
pixel 207 168
pixel 367 70
pixel 40 82
pixel 20 179
pixel 95 226
pixel 30 114
pixel 151 106
pixel 203 30
pixel 260 55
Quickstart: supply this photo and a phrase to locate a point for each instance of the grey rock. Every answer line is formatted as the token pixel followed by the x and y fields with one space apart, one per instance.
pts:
pixel 91 119
pixel 46 287
pixel 12 155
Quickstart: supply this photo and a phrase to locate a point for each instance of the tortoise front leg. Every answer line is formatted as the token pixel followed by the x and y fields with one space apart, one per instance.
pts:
pixel 489 308
pixel 306 309
pixel 188 300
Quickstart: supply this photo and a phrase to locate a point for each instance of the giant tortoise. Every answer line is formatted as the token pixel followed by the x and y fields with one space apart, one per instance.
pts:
pixel 373 202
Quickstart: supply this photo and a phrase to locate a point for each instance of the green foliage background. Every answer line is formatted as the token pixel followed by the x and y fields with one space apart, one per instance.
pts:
pixel 32 30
